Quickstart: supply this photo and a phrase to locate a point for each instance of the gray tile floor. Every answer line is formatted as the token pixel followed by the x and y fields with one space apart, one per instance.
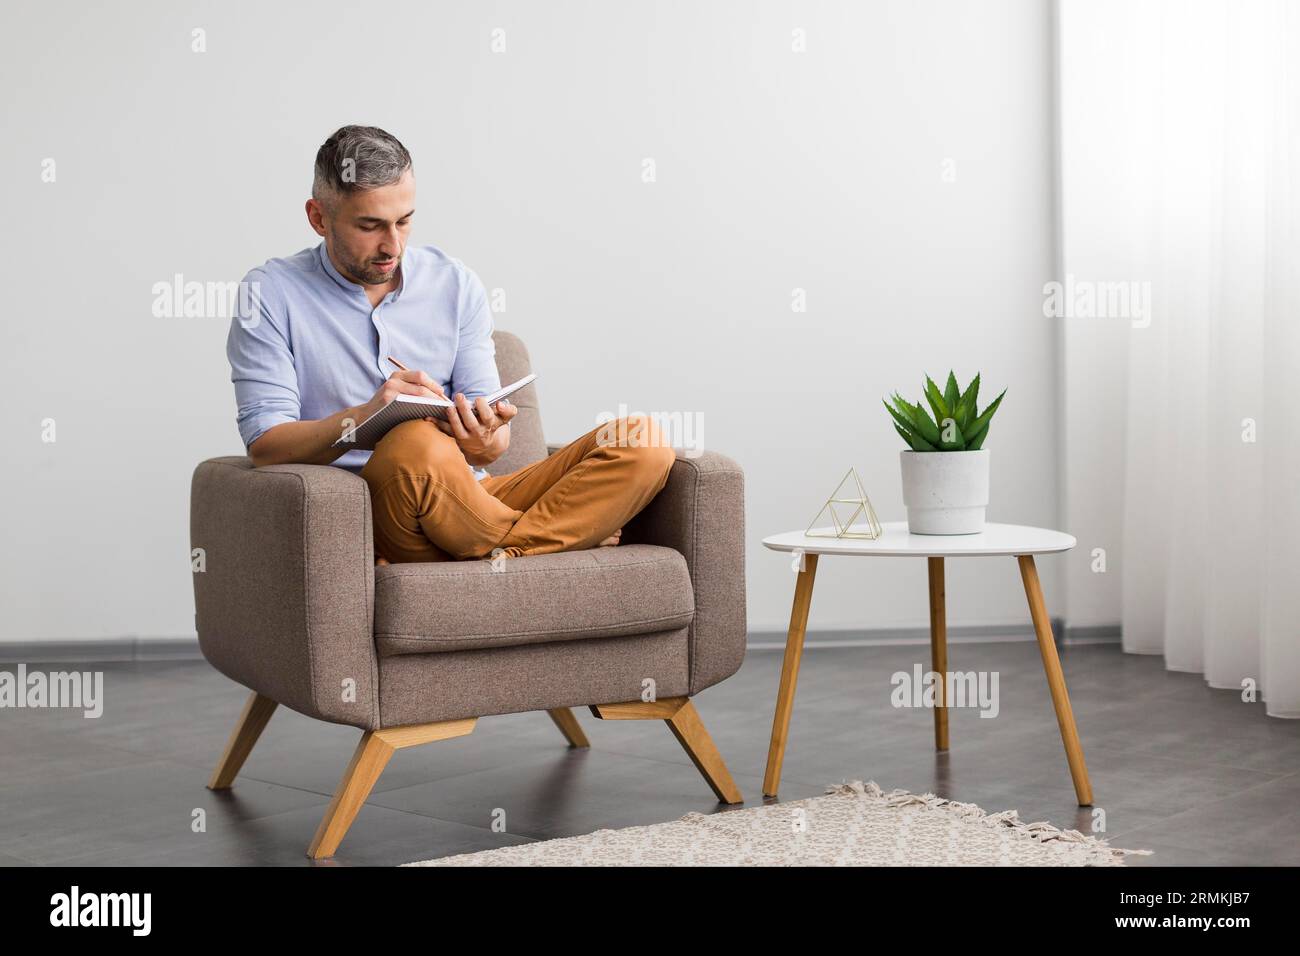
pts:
pixel 1191 773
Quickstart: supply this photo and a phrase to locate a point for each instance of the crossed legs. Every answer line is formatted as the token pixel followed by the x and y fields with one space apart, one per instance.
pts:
pixel 429 507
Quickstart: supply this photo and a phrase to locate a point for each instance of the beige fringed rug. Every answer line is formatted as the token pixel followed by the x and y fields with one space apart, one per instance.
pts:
pixel 857 824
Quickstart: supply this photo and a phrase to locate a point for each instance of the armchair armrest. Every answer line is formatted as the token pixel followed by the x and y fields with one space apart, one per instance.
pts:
pixel 701 513
pixel 284 584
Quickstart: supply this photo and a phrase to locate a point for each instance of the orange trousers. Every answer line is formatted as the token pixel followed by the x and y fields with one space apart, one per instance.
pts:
pixel 428 506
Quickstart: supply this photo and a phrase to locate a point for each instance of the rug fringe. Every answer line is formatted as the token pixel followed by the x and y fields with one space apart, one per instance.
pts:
pixel 1041 831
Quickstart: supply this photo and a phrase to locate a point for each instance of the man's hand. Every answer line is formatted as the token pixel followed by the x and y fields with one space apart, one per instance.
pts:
pixel 311 442
pixel 479 437
pixel 410 382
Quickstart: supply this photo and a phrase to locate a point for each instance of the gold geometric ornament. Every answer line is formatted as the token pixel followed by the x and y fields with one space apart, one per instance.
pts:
pixel 860 505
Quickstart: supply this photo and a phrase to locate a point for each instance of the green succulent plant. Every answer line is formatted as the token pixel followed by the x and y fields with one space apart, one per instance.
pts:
pixel 957 425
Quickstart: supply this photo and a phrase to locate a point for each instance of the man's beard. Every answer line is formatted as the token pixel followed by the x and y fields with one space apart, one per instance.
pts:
pixel 367 273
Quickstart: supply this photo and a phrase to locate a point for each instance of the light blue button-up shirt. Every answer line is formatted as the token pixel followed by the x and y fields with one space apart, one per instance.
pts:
pixel 307 343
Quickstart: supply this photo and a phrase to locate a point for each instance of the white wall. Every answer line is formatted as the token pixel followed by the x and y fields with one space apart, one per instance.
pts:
pixel 776 170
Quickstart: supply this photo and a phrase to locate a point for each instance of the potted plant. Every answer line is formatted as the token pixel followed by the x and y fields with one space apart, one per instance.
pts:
pixel 945 466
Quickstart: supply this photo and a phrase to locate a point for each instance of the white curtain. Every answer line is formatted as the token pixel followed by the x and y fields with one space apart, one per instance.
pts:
pixel 1196 190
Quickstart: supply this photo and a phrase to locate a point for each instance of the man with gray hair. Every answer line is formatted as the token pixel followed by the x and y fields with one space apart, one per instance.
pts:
pixel 309 357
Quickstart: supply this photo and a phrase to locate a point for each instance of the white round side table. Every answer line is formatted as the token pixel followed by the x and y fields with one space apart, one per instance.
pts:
pixel 1009 540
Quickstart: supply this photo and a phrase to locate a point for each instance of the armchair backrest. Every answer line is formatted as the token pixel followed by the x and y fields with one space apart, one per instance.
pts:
pixel 527 443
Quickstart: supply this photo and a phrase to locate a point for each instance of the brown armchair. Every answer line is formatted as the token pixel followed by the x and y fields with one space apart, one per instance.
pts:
pixel 291 605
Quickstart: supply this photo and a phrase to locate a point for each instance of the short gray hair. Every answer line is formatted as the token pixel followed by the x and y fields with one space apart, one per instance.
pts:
pixel 356 158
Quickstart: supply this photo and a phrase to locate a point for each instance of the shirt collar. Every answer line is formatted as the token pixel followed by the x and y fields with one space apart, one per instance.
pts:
pixel 355 288
pixel 402 268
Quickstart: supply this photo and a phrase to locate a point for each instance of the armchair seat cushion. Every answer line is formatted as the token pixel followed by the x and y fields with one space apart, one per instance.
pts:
pixel 465 605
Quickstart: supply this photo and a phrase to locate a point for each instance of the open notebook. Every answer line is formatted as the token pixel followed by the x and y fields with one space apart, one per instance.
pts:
pixel 403 408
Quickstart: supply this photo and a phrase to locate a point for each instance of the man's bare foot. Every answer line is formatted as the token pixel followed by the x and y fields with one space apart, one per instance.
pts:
pixel 611 540
pixel 380 562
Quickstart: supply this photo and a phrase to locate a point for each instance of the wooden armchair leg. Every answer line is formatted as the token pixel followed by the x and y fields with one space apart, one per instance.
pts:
pixel 252 720
pixel 368 762
pixel 569 726
pixel 684 721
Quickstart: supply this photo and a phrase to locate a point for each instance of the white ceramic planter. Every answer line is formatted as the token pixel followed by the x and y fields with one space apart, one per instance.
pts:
pixel 945 492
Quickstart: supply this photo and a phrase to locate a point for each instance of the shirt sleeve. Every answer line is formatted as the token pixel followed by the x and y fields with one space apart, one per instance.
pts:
pixel 475 369
pixel 261 360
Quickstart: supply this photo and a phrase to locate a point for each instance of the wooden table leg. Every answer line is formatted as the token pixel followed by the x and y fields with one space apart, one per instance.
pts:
pixel 789 674
pixel 939 651
pixel 1055 679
